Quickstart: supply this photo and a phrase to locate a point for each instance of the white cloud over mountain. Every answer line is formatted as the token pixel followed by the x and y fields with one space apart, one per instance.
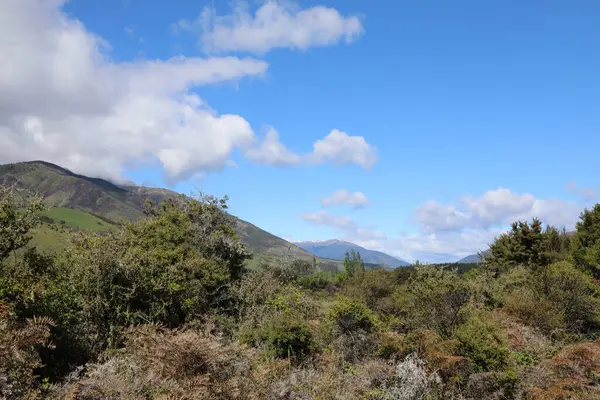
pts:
pixel 448 232
pixel 276 24
pixel 345 226
pixel 63 99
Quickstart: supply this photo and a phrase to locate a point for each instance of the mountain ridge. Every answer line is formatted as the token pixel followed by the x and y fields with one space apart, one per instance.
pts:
pixel 336 249
pixel 61 187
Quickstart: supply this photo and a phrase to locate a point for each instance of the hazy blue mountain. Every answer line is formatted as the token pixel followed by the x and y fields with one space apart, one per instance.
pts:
pixel 472 259
pixel 336 250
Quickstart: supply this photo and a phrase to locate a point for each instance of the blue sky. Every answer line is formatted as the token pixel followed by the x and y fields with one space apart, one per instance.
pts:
pixel 421 128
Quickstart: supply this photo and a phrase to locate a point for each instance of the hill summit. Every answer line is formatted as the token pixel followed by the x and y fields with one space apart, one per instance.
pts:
pixel 113 203
pixel 336 250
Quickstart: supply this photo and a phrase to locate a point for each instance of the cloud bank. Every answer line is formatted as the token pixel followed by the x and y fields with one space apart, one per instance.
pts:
pixel 63 99
pixel 448 232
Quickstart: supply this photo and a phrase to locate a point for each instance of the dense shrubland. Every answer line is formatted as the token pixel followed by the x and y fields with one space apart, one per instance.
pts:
pixel 165 309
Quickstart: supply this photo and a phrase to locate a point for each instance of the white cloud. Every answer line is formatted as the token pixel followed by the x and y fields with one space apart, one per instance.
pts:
pixel 64 100
pixel 433 216
pixel 337 147
pixel 276 24
pixel 344 197
pixel 272 152
pixel 449 232
pixel 453 231
pixel 342 149
pixel 497 207
pixel 445 246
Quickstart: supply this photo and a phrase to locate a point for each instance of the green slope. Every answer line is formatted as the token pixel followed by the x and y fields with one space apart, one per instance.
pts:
pixel 77 219
pixel 95 204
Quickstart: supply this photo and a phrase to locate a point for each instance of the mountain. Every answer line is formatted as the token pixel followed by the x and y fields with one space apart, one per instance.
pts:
pixel 336 250
pixel 83 202
pixel 473 258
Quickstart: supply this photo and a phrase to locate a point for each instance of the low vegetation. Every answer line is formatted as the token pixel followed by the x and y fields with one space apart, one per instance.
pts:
pixel 164 308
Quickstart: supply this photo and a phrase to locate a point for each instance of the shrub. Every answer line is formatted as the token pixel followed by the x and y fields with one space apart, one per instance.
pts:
pixel 573 293
pixel 586 242
pixel 285 337
pixel 18 354
pixel 161 363
pixel 410 381
pixel 350 315
pixel 19 215
pixel 318 281
pixel 390 345
pixel 482 340
pixel 433 298
pixel 275 316
pixel 375 287
pixel 528 245
pixel 533 310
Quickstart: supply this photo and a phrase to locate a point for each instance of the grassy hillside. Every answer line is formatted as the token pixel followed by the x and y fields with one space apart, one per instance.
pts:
pixel 81 202
pixel 77 219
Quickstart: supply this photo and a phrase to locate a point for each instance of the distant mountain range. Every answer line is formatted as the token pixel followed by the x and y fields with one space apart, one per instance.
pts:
pixel 473 258
pixel 336 250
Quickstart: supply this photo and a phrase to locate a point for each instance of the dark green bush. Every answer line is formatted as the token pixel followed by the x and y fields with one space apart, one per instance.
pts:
pixel 574 293
pixel 482 340
pixel 285 336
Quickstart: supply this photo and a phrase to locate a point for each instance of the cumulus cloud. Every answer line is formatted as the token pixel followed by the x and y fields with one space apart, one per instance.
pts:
pixel 344 197
pixel 449 232
pixel 337 147
pixel 444 246
pixel 452 231
pixel 340 148
pixel 272 152
pixel 276 24
pixel 64 100
pixel 494 208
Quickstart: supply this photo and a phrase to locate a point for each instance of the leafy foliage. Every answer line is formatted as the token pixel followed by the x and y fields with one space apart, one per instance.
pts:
pixel 434 298
pixel 482 340
pixel 164 307
pixel 353 264
pixel 17 219
pixel 528 245
pixel 586 242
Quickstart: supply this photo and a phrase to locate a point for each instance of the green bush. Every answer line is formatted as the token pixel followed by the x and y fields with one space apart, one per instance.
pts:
pixel 433 298
pixel 284 336
pixel 574 293
pixel 586 242
pixel 482 340
pixel 528 245
pixel 375 287
pixel 534 310
pixel 351 315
